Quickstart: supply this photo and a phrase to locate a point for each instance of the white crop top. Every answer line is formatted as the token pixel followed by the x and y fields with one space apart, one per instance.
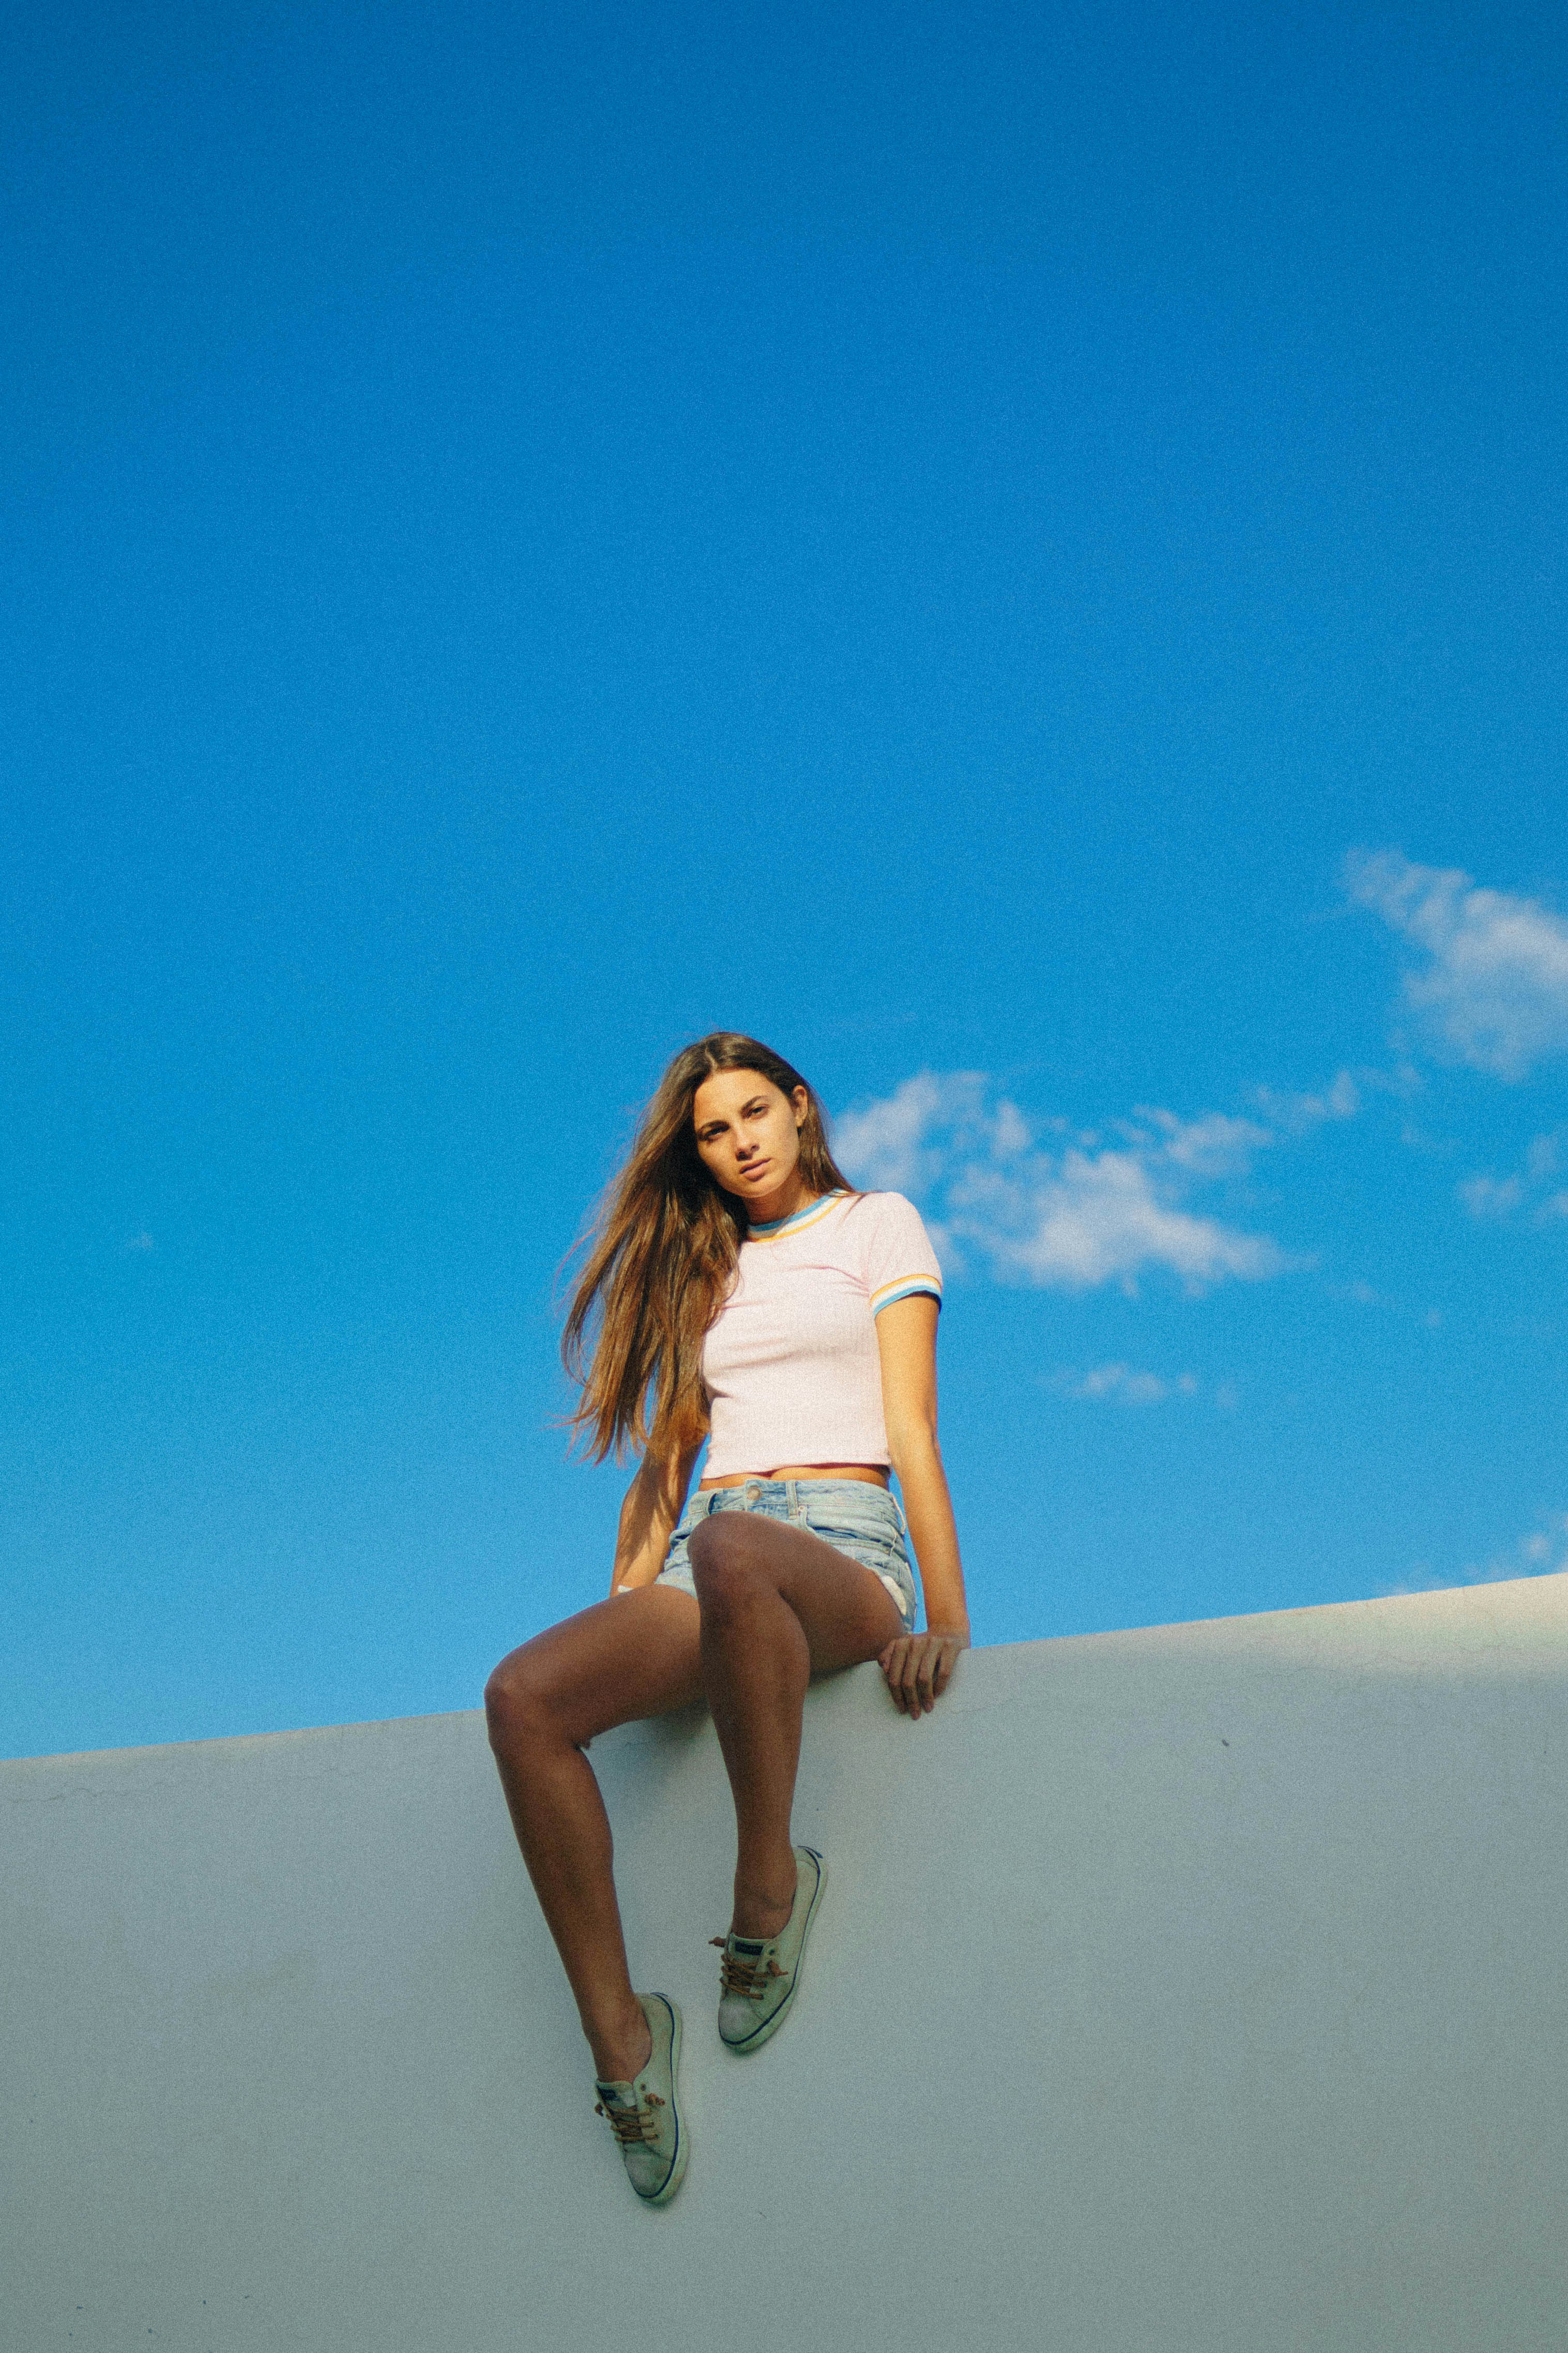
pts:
pixel 790 1362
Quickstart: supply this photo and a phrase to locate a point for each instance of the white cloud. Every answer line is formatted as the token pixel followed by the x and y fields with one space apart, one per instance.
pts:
pixel 1214 1146
pixel 1120 1385
pixel 1096 1217
pixel 1299 1114
pixel 1492 1197
pixel 1069 1216
pixel 1494 989
pixel 1500 1198
pixel 885 1145
pixel 1543 1553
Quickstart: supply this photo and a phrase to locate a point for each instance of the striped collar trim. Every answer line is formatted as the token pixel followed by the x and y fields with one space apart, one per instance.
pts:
pixel 799 1220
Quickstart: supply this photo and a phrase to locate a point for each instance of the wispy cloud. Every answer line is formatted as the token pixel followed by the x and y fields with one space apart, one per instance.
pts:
pixel 1299 1115
pixel 901 1144
pixel 1212 1146
pixel 1122 1384
pixel 139 1242
pixel 1528 1191
pixel 1492 987
pixel 1543 1553
pixel 1041 1204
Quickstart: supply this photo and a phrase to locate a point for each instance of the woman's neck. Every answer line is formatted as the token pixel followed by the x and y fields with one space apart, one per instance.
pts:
pixel 790 1197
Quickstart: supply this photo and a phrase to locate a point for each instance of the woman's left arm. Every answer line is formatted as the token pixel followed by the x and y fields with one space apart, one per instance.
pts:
pixel 919 1667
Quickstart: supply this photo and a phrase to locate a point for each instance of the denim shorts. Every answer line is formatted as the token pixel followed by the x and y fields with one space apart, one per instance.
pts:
pixel 857 1519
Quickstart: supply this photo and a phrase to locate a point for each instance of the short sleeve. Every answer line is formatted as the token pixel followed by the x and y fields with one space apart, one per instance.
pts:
pixel 899 1260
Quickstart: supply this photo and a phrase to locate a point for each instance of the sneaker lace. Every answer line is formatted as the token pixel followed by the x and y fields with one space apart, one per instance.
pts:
pixel 738 1975
pixel 632 2126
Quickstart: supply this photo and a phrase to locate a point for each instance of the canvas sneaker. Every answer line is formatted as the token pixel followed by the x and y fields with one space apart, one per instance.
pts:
pixel 758 1975
pixel 645 2116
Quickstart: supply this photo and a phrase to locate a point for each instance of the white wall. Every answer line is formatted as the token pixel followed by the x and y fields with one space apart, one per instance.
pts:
pixel 1194 1988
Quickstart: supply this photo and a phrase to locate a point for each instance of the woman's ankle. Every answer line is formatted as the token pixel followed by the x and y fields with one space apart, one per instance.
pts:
pixel 621 2046
pixel 762 1904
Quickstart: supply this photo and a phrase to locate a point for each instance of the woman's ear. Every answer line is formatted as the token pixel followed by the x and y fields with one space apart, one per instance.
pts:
pixel 800 1099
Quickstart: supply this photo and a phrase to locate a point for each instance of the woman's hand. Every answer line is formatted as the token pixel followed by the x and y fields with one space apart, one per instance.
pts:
pixel 919 1669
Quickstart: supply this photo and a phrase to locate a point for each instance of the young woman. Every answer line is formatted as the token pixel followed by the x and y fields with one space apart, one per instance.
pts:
pixel 743 1294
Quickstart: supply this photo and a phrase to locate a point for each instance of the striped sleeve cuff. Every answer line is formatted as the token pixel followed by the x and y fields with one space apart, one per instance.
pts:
pixel 906 1287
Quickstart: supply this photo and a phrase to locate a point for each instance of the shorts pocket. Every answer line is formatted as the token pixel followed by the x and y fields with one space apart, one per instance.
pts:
pixel 876 1515
pixel 870 1533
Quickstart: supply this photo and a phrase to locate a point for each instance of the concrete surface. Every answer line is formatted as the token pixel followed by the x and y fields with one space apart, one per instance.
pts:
pixel 1201 1987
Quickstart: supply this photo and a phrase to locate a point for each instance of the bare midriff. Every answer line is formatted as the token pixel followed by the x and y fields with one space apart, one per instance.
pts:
pixel 867 1471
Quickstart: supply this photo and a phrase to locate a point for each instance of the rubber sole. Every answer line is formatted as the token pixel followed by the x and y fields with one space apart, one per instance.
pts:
pixel 770 2027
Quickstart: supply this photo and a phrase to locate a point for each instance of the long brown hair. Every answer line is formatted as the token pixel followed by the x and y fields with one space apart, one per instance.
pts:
pixel 661 1256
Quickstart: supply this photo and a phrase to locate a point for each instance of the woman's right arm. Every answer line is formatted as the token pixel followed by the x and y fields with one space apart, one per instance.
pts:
pixel 655 1501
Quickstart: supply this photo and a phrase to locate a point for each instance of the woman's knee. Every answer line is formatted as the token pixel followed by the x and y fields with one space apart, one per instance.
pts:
pixel 520 1702
pixel 725 1567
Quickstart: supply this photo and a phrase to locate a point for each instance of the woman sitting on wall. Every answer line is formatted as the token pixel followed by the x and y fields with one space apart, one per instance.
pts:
pixel 742 1293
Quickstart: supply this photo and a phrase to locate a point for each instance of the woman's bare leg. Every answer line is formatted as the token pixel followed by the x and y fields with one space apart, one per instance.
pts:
pixel 637 1655
pixel 778 1606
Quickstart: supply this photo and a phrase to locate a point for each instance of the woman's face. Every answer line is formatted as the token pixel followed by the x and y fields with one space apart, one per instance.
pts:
pixel 748 1133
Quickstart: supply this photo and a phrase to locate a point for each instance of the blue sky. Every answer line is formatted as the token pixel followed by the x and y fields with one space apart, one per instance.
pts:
pixel 1017 554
